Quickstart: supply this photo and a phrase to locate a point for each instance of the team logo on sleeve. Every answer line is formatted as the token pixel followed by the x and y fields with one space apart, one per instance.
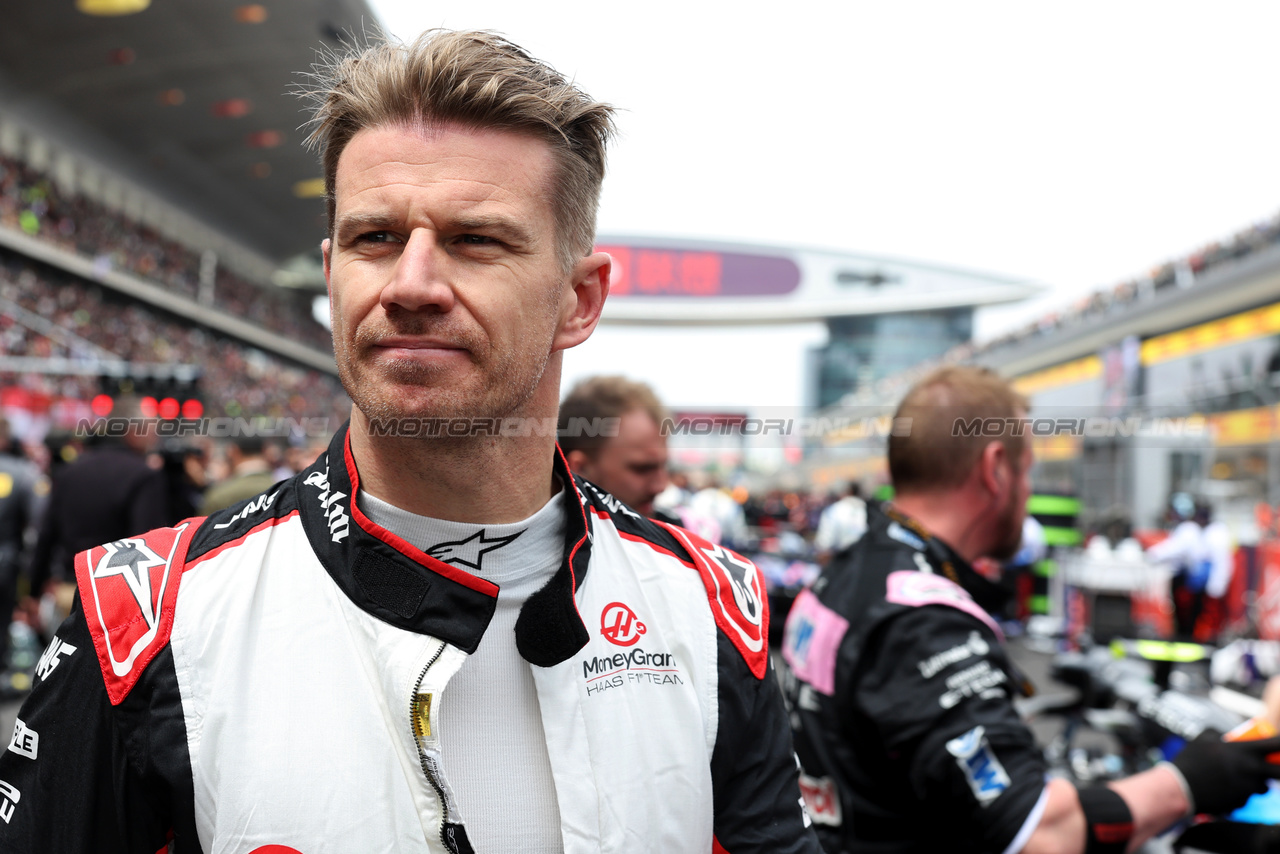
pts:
pixel 9 797
pixel 51 656
pixel 25 741
pixel 982 769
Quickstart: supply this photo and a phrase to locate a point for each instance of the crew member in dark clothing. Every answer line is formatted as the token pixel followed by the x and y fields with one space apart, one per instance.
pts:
pixel 22 493
pixel 902 692
pixel 108 493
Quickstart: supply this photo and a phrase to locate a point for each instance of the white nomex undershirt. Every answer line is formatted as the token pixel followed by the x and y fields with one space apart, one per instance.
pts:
pixel 492 744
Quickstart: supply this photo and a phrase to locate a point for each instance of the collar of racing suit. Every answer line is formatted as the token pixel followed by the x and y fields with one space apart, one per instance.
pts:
pixel 402 585
pixel 944 559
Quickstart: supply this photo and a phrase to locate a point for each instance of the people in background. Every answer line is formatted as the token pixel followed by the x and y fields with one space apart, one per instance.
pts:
pixel 902 700
pixel 23 491
pixel 631 462
pixel 251 474
pixel 841 524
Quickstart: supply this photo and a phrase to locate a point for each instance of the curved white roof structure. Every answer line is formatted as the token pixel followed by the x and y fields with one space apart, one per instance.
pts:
pixel 674 281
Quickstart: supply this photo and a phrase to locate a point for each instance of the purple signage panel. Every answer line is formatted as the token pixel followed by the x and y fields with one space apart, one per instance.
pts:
pixel 645 271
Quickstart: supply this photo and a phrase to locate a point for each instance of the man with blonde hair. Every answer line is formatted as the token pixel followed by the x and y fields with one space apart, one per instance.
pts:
pixel 433 639
pixel 903 693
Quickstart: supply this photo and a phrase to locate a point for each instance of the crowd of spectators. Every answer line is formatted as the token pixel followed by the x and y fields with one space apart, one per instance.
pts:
pixel 235 380
pixel 32 203
pixel 1184 272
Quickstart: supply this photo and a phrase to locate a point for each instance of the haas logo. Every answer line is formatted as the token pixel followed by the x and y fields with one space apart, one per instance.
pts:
pixel 619 625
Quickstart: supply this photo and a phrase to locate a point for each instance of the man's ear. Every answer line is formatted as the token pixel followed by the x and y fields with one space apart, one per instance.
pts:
pixel 578 462
pixel 326 249
pixel 994 468
pixel 580 312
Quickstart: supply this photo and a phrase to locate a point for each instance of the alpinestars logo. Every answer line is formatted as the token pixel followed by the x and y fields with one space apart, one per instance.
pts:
pixel 619 625
pixel 126 584
pixel 742 581
pixel 132 560
pixel 339 521
pixel 471 551
pixel 735 588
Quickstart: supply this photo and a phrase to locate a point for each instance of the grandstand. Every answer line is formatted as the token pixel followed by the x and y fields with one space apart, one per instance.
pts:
pixel 149 210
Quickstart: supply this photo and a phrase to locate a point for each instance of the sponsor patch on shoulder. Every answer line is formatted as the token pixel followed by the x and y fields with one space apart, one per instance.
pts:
pixel 975 646
pixel 821 800
pixel 9 797
pixel 129 588
pixel 902 535
pixel 738 599
pixel 982 769
pixel 916 589
pixel 812 640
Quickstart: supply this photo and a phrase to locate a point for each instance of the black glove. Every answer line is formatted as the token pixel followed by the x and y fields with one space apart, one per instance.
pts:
pixel 1229 837
pixel 1221 775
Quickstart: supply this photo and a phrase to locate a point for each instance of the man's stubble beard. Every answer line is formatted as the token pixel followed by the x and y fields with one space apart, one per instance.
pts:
pixel 507 384
pixel 1010 529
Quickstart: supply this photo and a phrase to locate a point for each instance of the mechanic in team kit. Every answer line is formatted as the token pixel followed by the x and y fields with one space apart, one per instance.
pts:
pixel 901 690
pixel 432 639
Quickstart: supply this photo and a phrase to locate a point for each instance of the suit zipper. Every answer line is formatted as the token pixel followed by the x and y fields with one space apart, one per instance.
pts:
pixel 420 723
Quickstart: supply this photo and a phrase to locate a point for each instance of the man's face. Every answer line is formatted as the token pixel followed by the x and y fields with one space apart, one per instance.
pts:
pixel 1014 513
pixel 446 295
pixel 632 466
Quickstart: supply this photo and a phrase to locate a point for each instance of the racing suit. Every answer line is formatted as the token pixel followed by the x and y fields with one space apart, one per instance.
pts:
pixel 901 698
pixel 270 678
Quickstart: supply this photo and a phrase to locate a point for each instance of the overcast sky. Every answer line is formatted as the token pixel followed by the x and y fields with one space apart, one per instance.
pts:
pixel 1072 145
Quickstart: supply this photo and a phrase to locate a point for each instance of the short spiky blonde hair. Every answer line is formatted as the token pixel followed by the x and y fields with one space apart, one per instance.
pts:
pixel 480 80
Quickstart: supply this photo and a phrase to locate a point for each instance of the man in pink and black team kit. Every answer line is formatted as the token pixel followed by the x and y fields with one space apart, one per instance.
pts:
pixel 902 694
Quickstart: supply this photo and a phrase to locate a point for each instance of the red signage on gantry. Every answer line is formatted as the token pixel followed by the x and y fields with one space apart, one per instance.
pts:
pixel 642 271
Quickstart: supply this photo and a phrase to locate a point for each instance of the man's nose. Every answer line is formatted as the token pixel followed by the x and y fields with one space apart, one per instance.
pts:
pixel 420 278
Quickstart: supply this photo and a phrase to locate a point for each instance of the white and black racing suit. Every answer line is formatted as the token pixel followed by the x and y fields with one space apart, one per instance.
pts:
pixel 269 679
pixel 901 696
